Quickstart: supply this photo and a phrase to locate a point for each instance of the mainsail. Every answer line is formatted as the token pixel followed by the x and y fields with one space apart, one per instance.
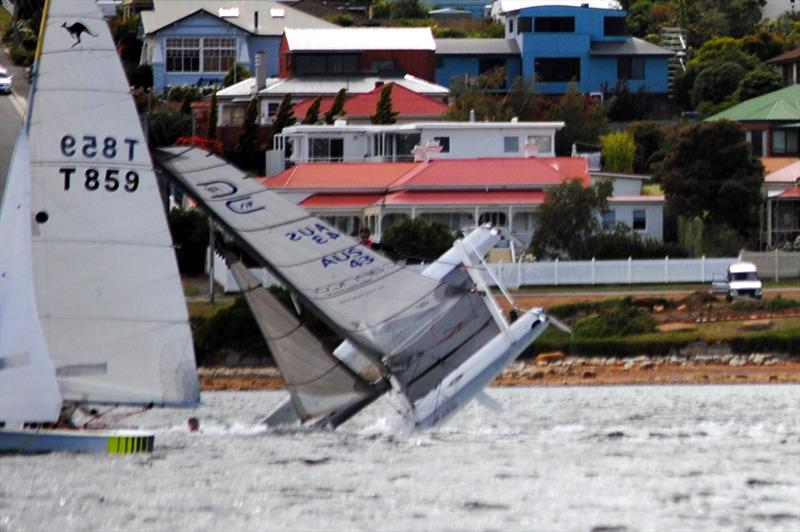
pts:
pixel 108 291
pixel 319 384
pixel 28 387
pixel 385 310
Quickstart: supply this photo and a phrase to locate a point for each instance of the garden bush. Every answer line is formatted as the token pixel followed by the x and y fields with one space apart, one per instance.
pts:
pixel 621 320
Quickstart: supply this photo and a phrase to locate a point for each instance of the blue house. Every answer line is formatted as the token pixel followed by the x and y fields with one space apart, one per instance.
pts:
pixel 462 60
pixel 195 42
pixel 558 41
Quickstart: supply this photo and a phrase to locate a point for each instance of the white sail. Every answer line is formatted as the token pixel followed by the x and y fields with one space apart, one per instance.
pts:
pixel 318 383
pixel 108 290
pixel 28 387
pixel 384 309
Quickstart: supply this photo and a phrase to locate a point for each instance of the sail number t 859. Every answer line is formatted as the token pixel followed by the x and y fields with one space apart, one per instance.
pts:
pixel 108 148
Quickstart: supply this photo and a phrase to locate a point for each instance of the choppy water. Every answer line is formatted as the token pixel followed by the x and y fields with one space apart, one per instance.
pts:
pixel 601 458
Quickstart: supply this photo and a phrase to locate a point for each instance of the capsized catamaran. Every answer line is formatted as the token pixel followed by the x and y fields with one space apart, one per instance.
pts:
pixel 437 339
pixel 86 248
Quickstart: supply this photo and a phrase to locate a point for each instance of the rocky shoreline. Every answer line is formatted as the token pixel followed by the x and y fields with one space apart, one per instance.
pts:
pixel 557 369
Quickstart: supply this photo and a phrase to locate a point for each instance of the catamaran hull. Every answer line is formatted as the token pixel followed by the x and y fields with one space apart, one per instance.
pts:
pixel 33 441
pixel 467 381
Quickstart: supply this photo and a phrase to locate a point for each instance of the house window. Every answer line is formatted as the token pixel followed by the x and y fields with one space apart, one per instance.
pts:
pixel 614 26
pixel 183 54
pixel 544 143
pixel 639 220
pixel 444 142
pixel 494 218
pixel 554 25
pixel 511 26
pixel 524 25
pixel 609 220
pixel 784 141
pixel 382 65
pixel 219 54
pixel 630 68
pixel 756 138
pixel 510 144
pixel 325 64
pixel 558 69
pixel 327 149
pixel 272 108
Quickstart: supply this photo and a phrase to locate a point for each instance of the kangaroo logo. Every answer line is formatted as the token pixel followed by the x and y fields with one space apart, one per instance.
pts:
pixel 76 30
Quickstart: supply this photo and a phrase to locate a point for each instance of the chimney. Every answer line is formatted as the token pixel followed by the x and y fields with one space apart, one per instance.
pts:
pixel 255 21
pixel 261 71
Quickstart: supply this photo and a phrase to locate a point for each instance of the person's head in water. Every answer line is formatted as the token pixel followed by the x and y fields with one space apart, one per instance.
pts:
pixel 193 423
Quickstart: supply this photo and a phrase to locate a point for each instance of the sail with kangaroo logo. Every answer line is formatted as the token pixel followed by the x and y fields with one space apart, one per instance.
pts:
pixel 422 331
pixel 108 293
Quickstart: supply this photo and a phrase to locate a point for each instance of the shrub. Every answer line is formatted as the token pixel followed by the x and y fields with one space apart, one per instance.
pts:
pixel 21 56
pixel 230 329
pixel 166 125
pixel 189 230
pixel 140 76
pixel 620 320
pixel 179 93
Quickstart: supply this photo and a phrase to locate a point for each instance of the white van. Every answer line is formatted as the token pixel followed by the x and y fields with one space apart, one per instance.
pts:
pixel 741 280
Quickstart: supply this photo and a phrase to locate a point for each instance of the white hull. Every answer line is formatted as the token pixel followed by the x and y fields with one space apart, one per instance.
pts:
pixel 477 372
pixel 31 441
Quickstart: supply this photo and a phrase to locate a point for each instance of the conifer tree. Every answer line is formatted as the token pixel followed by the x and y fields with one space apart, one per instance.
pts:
pixel 249 131
pixel 337 108
pixel 312 114
pixel 384 114
pixel 284 117
pixel 212 117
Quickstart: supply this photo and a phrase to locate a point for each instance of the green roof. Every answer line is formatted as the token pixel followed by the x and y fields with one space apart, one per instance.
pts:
pixel 783 104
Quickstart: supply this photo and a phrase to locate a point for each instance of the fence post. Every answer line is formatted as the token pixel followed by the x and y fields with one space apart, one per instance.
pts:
pixel 594 275
pixel 519 273
pixel 556 271
pixel 777 277
pixel 630 270
pixel 666 269
pixel 703 266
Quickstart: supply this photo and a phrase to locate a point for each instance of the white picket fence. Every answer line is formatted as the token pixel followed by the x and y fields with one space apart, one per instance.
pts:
pixel 560 273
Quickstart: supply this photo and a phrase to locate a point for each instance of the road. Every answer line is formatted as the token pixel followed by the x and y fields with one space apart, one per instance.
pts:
pixel 12 111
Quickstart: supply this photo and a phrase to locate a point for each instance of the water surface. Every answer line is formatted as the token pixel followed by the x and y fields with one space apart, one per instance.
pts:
pixel 593 458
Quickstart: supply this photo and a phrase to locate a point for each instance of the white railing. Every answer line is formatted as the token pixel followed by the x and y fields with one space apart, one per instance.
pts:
pixel 561 273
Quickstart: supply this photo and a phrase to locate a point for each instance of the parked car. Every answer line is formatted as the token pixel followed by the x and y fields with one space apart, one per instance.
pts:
pixel 740 280
pixel 5 81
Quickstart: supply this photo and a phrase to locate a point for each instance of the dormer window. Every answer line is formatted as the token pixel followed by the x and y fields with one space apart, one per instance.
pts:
pixel 524 25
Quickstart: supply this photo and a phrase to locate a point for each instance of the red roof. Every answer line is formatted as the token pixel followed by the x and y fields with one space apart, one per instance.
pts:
pixel 494 197
pixel 404 101
pixel 464 174
pixel 493 173
pixel 340 201
pixel 337 176
pixel 790 193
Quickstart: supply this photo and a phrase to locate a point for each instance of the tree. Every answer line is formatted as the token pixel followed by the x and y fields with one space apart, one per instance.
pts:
pixel 567 219
pixel 165 126
pixel 522 100
pixel 652 142
pixel 284 116
pixel 711 173
pixel 479 95
pixel 417 240
pixel 186 104
pixel 212 117
pixel 249 132
pixel 758 82
pixel 237 73
pixel 337 107
pixel 584 120
pixel 384 114
pixel 312 114
pixel 717 83
pixel 619 151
